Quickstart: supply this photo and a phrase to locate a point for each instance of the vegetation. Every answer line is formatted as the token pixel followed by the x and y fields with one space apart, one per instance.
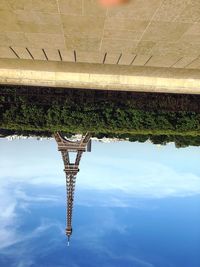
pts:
pixel 161 118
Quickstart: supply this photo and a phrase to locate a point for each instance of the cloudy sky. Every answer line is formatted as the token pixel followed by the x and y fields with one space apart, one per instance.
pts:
pixel 135 205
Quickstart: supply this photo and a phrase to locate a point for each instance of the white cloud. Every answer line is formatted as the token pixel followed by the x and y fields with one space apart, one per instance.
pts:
pixel 111 172
pixel 14 201
pixel 140 179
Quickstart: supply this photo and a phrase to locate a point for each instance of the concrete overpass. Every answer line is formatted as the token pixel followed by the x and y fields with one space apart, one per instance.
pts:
pixel 147 45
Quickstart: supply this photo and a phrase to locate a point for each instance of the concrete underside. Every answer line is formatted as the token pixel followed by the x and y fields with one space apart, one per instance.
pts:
pixel 147 45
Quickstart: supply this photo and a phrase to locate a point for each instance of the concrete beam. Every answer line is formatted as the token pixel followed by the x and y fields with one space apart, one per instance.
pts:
pixel 98 76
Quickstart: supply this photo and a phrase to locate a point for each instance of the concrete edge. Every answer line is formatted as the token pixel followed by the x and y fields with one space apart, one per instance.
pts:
pixel 99 76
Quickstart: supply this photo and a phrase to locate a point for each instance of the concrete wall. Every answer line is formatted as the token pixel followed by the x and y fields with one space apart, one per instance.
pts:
pixel 164 35
pixel 153 33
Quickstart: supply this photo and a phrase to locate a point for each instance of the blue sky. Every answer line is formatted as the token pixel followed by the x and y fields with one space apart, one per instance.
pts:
pixel 135 205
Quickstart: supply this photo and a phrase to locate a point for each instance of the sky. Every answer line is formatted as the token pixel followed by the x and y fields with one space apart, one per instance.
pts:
pixel 136 204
